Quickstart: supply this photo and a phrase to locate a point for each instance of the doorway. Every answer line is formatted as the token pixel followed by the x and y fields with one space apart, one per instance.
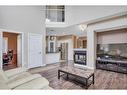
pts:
pixel 64 51
pixel 11 50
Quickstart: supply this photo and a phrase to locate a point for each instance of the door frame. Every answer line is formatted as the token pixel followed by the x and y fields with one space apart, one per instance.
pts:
pixel 22 46
pixel 7 43
pixel 29 47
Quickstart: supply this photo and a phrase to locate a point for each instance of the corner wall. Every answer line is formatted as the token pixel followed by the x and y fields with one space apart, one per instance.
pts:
pixel 26 19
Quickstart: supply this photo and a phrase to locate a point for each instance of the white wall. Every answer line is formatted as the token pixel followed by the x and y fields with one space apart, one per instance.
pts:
pixel 27 19
pixel 99 27
pixel 70 47
pixel 85 14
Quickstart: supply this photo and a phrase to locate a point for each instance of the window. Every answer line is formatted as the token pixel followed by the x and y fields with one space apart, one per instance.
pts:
pixel 55 13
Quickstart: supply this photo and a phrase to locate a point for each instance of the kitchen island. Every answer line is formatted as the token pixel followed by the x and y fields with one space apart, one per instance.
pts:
pixel 52 57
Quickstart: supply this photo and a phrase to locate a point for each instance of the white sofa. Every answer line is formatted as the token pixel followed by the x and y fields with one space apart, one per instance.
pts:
pixel 19 78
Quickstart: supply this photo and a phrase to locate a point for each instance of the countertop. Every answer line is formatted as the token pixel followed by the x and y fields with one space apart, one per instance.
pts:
pixel 113 60
pixel 80 49
pixel 52 52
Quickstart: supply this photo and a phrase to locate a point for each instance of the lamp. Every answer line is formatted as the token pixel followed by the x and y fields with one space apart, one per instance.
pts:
pixel 82 27
pixel 47 20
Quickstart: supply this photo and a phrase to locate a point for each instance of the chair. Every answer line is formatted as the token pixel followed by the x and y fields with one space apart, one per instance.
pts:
pixel 5 59
pixel 10 54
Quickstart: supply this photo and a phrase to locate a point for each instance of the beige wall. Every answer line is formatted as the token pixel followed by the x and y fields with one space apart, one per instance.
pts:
pixel 74 41
pixel 12 41
pixel 114 36
pixel 82 42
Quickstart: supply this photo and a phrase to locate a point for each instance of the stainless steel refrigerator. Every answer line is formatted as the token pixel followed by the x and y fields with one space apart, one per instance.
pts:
pixel 64 51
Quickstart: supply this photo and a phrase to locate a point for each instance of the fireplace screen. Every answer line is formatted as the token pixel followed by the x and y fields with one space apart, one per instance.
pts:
pixel 80 57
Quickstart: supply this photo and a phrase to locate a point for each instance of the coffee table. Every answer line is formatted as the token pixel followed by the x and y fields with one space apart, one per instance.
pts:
pixel 86 74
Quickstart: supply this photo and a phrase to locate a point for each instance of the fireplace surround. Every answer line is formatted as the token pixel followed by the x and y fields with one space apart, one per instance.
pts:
pixel 80 57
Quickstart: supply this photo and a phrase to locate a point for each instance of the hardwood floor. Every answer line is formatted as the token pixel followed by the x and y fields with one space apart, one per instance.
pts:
pixel 9 66
pixel 103 79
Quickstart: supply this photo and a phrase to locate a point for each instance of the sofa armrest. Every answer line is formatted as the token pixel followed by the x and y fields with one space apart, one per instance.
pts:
pixel 22 81
pixel 13 72
pixel 47 88
pixel 3 86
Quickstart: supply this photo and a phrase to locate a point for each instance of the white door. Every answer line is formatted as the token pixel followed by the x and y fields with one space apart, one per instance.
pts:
pixel 35 50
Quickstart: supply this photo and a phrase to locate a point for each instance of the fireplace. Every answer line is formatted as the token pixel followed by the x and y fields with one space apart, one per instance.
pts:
pixel 80 57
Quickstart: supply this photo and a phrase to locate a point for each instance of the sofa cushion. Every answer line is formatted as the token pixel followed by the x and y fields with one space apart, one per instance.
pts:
pixel 47 88
pixel 38 83
pixel 3 85
pixel 19 76
pixel 13 72
pixel 23 80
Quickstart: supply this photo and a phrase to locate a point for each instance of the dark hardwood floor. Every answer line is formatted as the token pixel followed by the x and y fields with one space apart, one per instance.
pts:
pixel 103 79
pixel 9 66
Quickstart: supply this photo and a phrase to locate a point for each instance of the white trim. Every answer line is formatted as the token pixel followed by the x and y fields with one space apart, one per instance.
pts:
pixel 22 49
pixel 1 60
pixel 6 39
pixel 18 49
pixel 12 31
pixel 28 50
pixel 1 36
pixel 109 29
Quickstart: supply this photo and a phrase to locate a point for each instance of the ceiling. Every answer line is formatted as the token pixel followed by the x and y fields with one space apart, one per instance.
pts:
pixel 72 30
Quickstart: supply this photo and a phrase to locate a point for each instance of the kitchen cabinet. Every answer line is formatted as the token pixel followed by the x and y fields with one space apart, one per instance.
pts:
pixel 112 65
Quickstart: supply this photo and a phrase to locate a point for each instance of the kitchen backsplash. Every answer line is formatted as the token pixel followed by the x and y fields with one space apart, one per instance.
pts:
pixel 112 49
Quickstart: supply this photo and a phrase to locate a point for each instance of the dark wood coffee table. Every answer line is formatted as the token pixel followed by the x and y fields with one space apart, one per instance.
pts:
pixel 86 74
